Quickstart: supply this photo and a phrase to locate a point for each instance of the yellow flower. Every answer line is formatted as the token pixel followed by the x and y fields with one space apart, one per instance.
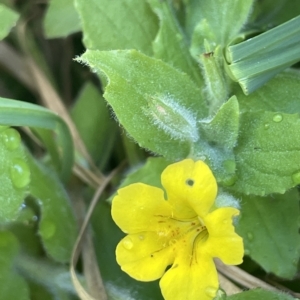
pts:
pixel 186 231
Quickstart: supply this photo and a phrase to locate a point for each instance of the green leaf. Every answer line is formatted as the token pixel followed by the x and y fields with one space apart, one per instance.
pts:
pixel 267 154
pixel 223 18
pixel 14 174
pixel 149 173
pixel 111 25
pixel 57 226
pixel 118 284
pixel 156 104
pixel 218 136
pixel 19 113
pixel 61 19
pixel 269 227
pixel 279 94
pixel 94 123
pixel 260 294
pixel 12 285
pixel 170 44
pixel 8 19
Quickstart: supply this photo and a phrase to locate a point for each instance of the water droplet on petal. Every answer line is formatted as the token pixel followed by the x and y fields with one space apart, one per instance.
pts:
pixel 277 118
pixel 127 243
pixel 250 236
pixel 296 178
pixel 267 126
pixel 20 173
pixel 48 229
pixel 211 292
pixel 247 252
pixel 141 237
pixel 11 138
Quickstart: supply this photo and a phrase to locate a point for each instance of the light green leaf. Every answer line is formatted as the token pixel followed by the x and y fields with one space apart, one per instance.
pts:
pixel 170 44
pixel 260 294
pixel 57 226
pixel 156 104
pixel 14 174
pixel 118 284
pixel 279 94
pixel 224 18
pixel 269 227
pixel 8 19
pixel 12 285
pixel 267 154
pixel 94 123
pixel 61 19
pixel 109 25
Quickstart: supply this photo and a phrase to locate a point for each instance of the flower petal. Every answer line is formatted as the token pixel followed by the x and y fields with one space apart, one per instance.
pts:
pixel 139 207
pixel 144 256
pixel 191 188
pixel 223 242
pixel 192 276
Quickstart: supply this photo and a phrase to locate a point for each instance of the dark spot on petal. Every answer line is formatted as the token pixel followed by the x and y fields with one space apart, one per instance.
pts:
pixel 193 223
pixel 152 255
pixel 190 182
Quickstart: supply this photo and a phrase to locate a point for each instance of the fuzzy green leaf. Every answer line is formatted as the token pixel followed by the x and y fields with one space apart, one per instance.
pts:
pixel 14 174
pixel 279 94
pixel 267 154
pixel 170 44
pixel 13 286
pixel 269 227
pixel 57 226
pixel 8 19
pixel 260 294
pixel 61 19
pixel 158 105
pixel 111 25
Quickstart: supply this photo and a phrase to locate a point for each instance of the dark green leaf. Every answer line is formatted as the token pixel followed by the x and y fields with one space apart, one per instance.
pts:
pixel 57 226
pixel 267 154
pixel 269 227
pixel 260 294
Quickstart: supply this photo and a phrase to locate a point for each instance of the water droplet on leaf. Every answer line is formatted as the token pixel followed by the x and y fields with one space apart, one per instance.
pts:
pixel 211 292
pixel 296 178
pixel 267 126
pixel 127 243
pixel 11 138
pixel 250 236
pixel 20 173
pixel 48 229
pixel 277 118
pixel 247 252
pixel 229 181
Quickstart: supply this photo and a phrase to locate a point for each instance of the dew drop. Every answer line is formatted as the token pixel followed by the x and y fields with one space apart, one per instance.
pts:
pixel 247 252
pixel 267 126
pixel 296 178
pixel 141 237
pixel 19 173
pixel 250 236
pixel 230 181
pixel 211 292
pixel 127 243
pixel 48 229
pixel 277 118
pixel 11 138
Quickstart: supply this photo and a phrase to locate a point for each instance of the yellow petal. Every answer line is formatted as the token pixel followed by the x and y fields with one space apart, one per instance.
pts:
pixel 144 256
pixel 191 188
pixel 140 207
pixel 192 276
pixel 223 242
